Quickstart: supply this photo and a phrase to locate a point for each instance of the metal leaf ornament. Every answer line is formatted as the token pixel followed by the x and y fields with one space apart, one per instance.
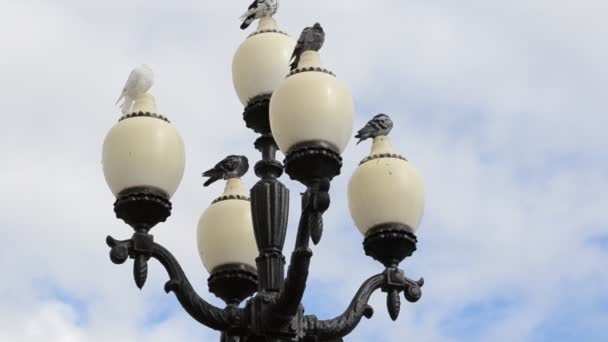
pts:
pixel 316 203
pixel 393 303
pixel 140 271
pixel 315 224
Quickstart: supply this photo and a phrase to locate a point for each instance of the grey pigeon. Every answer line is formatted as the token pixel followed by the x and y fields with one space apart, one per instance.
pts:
pixel 230 167
pixel 259 9
pixel 381 124
pixel 311 39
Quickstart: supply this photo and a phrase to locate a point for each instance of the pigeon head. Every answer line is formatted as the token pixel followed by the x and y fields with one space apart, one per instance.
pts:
pixel 318 27
pixel 384 124
pixel 234 162
pixel 244 164
pixel 383 118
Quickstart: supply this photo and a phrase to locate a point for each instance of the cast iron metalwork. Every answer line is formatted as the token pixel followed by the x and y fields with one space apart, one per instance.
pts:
pixel 311 161
pixel 309 69
pixel 275 312
pixel 230 197
pixel 268 31
pixel 142 207
pixel 233 283
pixel 392 280
pixel 390 243
pixel 382 155
pixel 256 114
pixel 142 244
pixel 144 114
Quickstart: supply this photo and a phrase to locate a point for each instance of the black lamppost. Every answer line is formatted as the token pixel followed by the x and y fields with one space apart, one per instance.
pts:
pixel 309 116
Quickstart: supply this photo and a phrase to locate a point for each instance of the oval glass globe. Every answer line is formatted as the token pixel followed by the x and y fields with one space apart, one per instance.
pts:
pixel 225 234
pixel 143 151
pixel 386 190
pixel 311 106
pixel 260 64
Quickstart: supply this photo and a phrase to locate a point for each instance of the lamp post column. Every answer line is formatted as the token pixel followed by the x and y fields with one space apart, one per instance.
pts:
pixel 259 65
pixel 269 208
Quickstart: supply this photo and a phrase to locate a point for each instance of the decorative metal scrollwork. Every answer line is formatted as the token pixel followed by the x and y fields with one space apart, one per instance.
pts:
pixel 230 318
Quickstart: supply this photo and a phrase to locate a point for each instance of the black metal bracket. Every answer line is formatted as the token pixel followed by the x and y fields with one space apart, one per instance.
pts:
pixel 390 243
pixel 315 201
pixel 233 282
pixel 392 280
pixel 310 161
pixel 142 207
pixel 256 114
pixel 231 318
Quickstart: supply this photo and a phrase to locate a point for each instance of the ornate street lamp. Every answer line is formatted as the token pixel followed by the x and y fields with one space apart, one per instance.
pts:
pixel 307 113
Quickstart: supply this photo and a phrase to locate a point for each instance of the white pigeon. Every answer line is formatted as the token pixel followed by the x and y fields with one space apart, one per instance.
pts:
pixel 140 81
pixel 259 9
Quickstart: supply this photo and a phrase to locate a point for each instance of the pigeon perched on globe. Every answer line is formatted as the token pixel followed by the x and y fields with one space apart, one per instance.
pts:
pixel 311 39
pixel 259 9
pixel 379 125
pixel 230 167
pixel 139 82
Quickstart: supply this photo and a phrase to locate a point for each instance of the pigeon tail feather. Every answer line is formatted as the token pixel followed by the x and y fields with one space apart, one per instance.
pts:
pixel 247 22
pixel 247 13
pixel 294 64
pixel 211 173
pixel 214 175
pixel 364 134
pixel 122 96
pixel 212 180
pixel 127 105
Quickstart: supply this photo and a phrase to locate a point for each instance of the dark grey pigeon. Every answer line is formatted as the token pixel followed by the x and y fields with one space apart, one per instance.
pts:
pixel 230 167
pixel 381 124
pixel 257 10
pixel 311 39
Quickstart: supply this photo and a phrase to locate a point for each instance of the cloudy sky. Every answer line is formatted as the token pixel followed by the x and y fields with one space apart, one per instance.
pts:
pixel 500 104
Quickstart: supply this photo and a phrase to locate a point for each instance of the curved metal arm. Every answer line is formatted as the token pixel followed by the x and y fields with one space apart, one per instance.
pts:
pixel 392 281
pixel 292 293
pixel 347 321
pixel 315 201
pixel 142 247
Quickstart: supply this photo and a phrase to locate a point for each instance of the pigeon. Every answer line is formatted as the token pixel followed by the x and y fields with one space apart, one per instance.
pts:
pixel 312 38
pixel 140 81
pixel 230 167
pixel 257 10
pixel 381 124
